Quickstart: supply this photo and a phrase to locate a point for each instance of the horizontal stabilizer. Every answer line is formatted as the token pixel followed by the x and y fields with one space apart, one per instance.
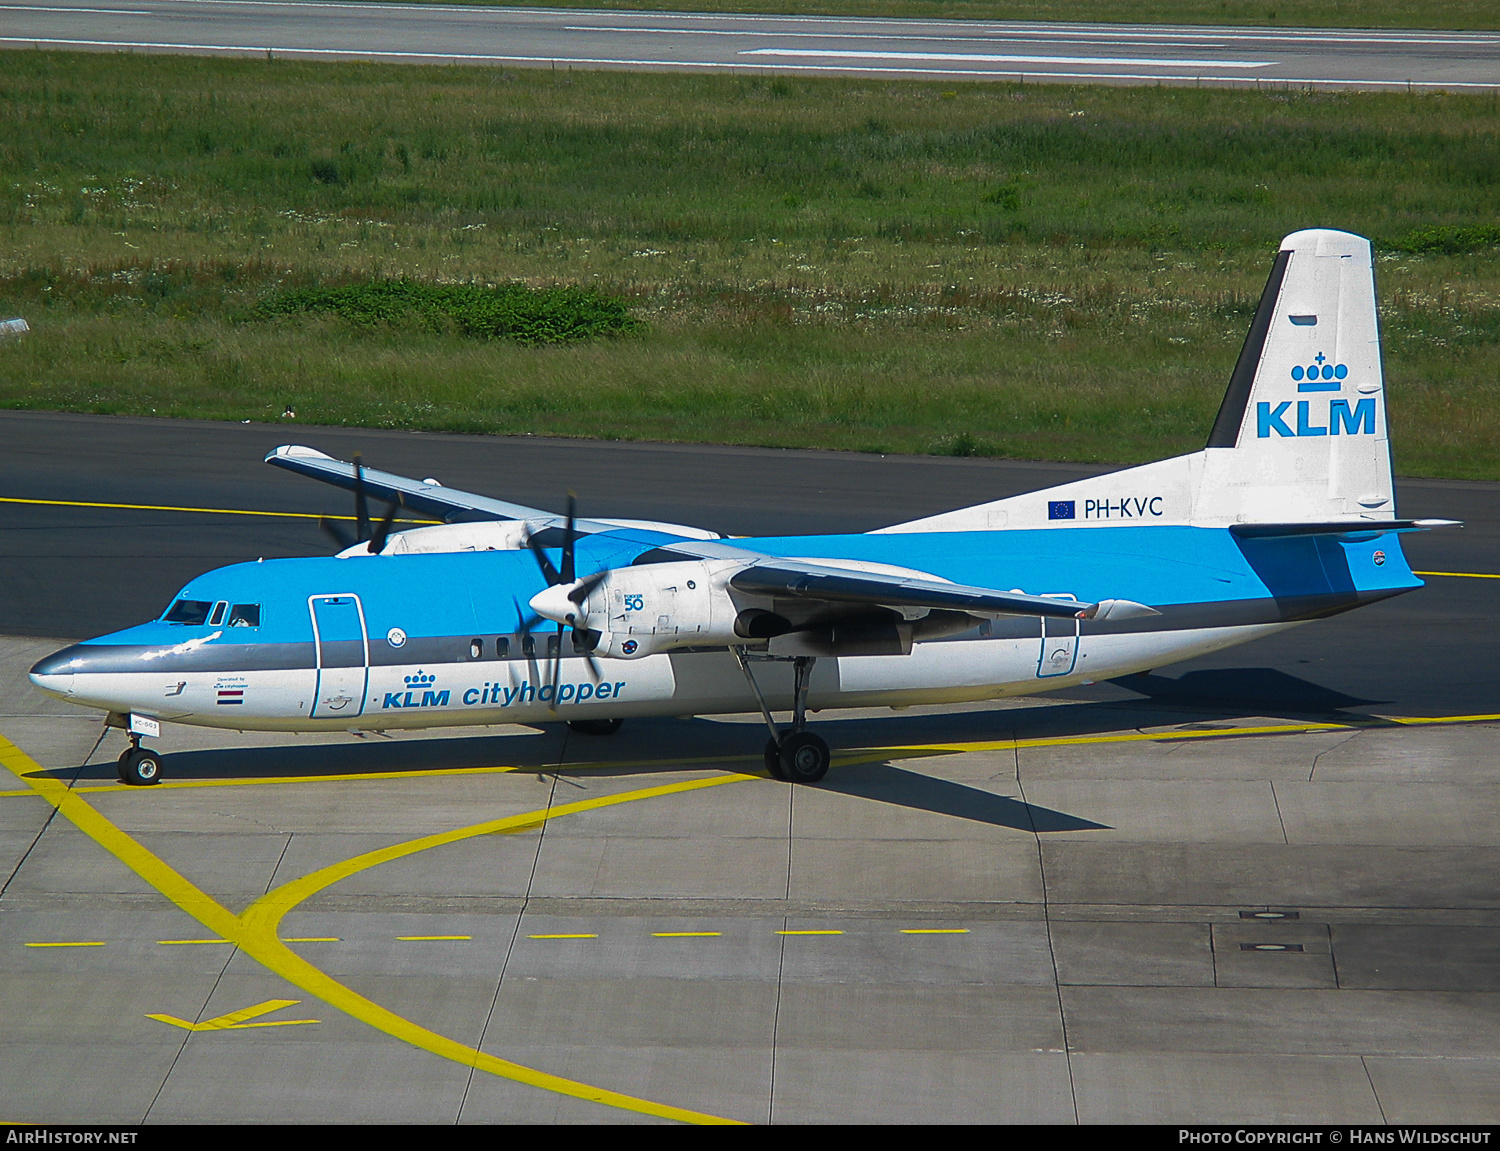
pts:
pixel 835 585
pixel 1338 528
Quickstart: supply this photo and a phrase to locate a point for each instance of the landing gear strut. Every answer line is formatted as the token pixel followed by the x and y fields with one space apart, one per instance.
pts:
pixel 796 755
pixel 138 766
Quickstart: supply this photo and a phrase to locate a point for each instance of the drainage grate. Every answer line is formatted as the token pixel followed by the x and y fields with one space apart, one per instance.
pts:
pixel 1270 947
pixel 1276 915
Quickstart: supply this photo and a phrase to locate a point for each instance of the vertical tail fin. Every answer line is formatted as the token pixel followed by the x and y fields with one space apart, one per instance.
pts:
pixel 1301 434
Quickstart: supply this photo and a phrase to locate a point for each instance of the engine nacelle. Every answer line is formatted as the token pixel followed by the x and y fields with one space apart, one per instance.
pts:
pixel 639 611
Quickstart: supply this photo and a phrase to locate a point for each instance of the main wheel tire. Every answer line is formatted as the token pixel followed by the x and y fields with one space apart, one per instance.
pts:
pixel 120 765
pixel 140 767
pixel 595 726
pixel 773 759
pixel 804 758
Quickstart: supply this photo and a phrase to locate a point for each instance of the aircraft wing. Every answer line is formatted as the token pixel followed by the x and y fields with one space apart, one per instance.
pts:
pixel 428 497
pixel 836 585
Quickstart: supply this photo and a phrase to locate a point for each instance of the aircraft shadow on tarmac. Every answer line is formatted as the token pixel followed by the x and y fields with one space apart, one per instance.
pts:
pixel 655 745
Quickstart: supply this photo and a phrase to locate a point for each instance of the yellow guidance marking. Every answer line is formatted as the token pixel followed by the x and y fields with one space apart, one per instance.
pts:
pixel 1409 720
pixel 255 931
pixel 934 931
pixel 182 942
pixel 76 943
pixel 201 511
pixel 181 784
pixel 809 933
pixel 1460 575
pixel 562 937
pixel 236 1020
pixel 430 938
pixel 683 934
pixel 314 939
pixel 843 759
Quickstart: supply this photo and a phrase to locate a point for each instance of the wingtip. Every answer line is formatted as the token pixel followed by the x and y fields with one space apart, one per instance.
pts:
pixel 295 451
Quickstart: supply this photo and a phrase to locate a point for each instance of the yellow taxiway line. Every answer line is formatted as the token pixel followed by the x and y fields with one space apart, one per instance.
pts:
pixel 255 931
pixel 849 758
pixel 1460 575
pixel 200 511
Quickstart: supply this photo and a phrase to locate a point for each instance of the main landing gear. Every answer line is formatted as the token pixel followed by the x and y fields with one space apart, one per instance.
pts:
pixel 796 755
pixel 138 766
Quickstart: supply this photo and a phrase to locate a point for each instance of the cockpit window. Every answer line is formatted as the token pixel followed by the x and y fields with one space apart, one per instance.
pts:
pixel 189 611
pixel 244 615
pixel 218 617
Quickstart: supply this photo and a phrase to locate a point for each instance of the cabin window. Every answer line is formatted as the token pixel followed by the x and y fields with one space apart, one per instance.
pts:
pixel 554 645
pixel 218 617
pixel 502 647
pixel 476 648
pixel 244 615
pixel 193 612
pixel 528 646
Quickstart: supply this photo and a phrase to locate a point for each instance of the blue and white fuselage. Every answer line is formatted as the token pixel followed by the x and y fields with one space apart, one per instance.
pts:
pixel 411 641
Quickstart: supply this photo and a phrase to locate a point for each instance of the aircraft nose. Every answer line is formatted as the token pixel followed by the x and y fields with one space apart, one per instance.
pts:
pixel 54 674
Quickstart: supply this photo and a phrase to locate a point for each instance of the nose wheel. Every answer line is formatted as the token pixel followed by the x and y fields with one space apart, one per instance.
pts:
pixel 139 766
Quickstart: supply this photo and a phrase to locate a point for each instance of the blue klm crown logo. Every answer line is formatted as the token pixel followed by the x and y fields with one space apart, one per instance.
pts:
pixel 419 680
pixel 1320 376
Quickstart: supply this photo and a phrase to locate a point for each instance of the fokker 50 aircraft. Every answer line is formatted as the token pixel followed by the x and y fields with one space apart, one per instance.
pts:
pixel 1288 515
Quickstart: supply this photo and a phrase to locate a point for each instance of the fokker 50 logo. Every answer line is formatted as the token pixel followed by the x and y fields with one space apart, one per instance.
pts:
pixel 419 683
pixel 1341 418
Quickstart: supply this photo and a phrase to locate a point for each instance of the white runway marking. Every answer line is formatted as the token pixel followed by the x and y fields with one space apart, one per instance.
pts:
pixel 94 11
pixel 965 58
pixel 740 65
pixel 997 38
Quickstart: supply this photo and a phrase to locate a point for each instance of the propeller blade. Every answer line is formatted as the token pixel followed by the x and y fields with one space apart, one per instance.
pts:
pixel 567 573
pixel 557 673
pixel 337 532
pixel 377 541
pixel 361 505
pixel 549 573
pixel 588 652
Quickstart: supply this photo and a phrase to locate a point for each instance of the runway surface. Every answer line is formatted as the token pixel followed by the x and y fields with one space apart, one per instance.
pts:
pixel 1260 892
pixel 958 50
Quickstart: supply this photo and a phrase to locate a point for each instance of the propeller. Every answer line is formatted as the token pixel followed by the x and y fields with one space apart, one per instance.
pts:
pixel 377 538
pixel 576 595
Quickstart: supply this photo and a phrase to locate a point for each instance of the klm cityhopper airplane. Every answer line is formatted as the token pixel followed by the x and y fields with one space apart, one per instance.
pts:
pixel 1287 516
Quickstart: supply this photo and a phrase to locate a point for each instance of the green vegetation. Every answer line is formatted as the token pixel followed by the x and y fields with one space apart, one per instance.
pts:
pixel 1459 14
pixel 486 311
pixel 1048 272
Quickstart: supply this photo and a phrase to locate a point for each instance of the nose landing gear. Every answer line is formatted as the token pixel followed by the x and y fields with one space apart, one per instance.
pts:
pixel 138 766
pixel 796 755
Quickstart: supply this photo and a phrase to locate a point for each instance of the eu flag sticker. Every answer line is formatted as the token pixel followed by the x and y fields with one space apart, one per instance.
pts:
pixel 1060 510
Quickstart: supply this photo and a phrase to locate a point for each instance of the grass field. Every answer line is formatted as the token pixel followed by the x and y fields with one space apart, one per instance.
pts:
pixel 1048 272
pixel 1457 14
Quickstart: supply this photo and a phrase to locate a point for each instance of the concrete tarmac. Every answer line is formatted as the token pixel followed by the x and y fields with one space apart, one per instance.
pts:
pixel 1129 907
pixel 750 44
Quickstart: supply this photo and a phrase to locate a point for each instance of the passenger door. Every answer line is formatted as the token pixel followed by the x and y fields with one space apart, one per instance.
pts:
pixel 343 656
pixel 1059 651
